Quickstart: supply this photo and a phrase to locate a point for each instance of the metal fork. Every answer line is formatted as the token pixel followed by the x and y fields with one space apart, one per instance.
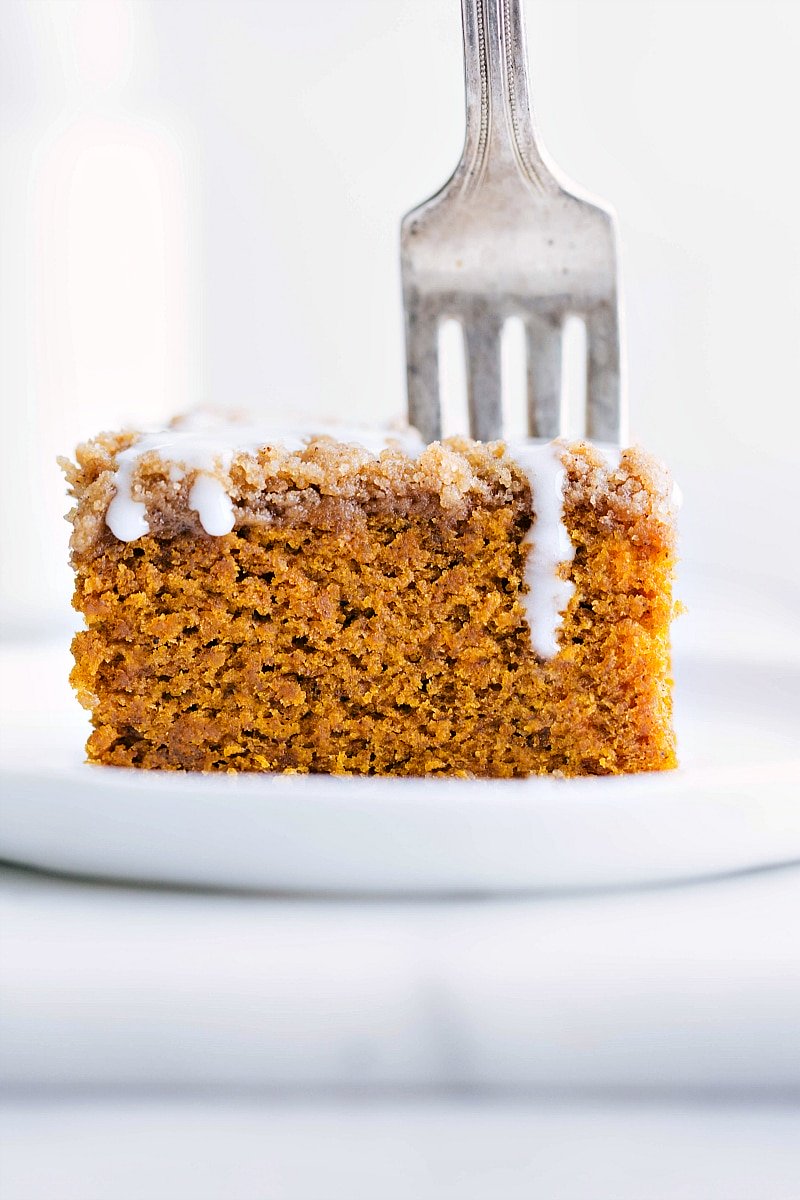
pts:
pixel 506 237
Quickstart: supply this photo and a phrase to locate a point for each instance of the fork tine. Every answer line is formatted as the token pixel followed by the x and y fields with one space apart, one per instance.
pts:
pixel 544 336
pixel 422 367
pixel 604 416
pixel 484 398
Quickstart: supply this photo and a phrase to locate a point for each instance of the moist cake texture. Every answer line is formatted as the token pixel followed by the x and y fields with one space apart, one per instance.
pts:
pixel 369 611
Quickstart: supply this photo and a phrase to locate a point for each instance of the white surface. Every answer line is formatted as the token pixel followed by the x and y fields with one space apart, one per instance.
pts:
pixel 425 1150
pixel 733 805
pixel 687 990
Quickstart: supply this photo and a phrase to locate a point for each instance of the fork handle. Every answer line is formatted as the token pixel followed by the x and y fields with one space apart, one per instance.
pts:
pixel 499 119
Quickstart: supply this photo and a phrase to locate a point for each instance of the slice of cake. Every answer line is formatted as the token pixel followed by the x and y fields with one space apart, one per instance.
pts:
pixel 258 600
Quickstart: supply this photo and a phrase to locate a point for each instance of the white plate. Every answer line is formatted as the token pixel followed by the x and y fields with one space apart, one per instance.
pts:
pixel 734 805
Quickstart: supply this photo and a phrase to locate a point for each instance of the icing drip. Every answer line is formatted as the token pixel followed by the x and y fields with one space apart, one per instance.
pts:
pixel 126 517
pixel 547 594
pixel 212 504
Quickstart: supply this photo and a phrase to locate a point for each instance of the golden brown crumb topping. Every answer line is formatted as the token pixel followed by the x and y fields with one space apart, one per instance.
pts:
pixel 333 485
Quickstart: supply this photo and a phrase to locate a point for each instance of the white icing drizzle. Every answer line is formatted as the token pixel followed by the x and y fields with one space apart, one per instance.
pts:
pixel 205 445
pixel 126 517
pixel 550 547
pixel 213 505
pixel 547 594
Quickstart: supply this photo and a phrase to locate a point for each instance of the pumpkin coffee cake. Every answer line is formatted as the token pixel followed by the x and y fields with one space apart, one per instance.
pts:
pixel 358 603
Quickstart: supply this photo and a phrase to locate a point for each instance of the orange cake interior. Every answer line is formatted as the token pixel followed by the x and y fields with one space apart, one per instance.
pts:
pixel 366 614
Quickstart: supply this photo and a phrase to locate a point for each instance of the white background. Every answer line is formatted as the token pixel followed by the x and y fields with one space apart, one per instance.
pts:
pixel 200 202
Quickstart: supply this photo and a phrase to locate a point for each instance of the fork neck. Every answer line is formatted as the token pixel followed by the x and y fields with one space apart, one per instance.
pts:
pixel 499 120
